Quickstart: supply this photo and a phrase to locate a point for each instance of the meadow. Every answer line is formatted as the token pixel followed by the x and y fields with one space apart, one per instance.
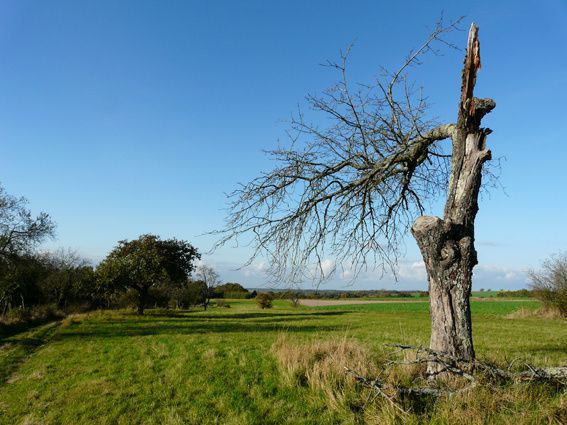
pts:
pixel 236 366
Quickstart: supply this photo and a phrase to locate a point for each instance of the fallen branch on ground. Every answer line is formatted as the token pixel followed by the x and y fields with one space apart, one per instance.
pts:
pixel 453 366
pixel 398 390
pixel 464 368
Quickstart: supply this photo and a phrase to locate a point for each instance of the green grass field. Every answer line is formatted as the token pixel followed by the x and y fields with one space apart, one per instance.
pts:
pixel 219 366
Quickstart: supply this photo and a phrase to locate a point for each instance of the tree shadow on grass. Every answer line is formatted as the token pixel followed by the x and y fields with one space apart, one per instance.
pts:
pixel 208 314
pixel 546 348
pixel 10 330
pixel 252 315
pixel 17 349
pixel 203 316
pixel 186 326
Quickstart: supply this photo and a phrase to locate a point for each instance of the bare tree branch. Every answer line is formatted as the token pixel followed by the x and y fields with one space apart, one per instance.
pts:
pixel 349 191
pixel 19 230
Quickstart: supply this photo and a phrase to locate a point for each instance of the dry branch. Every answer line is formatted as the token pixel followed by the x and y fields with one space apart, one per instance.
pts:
pixel 349 191
pixel 475 373
pixel 464 368
pixel 380 386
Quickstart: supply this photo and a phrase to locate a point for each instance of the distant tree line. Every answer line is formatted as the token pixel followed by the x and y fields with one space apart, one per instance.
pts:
pixel 154 272
pixel 520 293
pixel 338 294
pixel 145 272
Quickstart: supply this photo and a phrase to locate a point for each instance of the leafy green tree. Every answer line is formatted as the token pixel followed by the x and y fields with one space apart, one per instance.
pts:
pixel 232 290
pixel 69 278
pixel 145 263
pixel 20 233
pixel 196 292
pixel 19 282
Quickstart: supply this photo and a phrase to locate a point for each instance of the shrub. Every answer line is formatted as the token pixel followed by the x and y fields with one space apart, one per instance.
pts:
pixel 545 312
pixel 127 299
pixel 231 290
pixel 521 293
pixel 235 295
pixel 19 319
pixel 264 300
pixel 550 283
pixel 222 303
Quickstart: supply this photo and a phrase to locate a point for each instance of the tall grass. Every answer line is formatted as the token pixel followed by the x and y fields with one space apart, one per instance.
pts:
pixel 320 365
pixel 545 312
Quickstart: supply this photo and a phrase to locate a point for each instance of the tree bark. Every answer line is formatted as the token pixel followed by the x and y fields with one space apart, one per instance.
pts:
pixel 447 245
pixel 142 299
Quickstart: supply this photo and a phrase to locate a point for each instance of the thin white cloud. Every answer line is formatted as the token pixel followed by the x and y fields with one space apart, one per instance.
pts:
pixel 411 276
pixel 327 266
pixel 499 272
pixel 414 271
pixel 257 269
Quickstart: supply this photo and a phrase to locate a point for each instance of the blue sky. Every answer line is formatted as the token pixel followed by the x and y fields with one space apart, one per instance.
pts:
pixel 120 118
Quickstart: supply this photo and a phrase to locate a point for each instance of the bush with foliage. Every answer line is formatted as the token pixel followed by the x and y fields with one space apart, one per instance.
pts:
pixel 221 303
pixel 231 290
pixel 264 300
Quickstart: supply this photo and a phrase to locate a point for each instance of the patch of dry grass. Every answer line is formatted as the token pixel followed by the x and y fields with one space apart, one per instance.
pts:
pixel 320 366
pixel 319 362
pixel 546 312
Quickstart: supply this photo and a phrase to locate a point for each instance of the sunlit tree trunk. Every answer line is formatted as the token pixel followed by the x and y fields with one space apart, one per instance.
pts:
pixel 447 244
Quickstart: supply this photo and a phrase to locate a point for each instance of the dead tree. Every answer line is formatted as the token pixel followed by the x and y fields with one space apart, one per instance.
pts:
pixel 447 244
pixel 351 190
pixel 209 280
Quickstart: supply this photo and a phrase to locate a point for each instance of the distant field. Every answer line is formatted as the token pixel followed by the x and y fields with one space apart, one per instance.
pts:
pixel 353 301
pixel 218 366
pixel 370 300
pixel 484 294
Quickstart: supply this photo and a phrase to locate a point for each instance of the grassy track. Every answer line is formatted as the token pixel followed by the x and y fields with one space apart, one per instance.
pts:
pixel 218 366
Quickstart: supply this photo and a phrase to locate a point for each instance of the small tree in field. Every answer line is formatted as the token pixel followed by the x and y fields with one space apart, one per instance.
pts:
pixel 208 279
pixel 352 189
pixel 550 283
pixel 145 263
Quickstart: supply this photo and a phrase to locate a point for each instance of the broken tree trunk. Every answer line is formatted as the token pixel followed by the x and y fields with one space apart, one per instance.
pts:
pixel 447 245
